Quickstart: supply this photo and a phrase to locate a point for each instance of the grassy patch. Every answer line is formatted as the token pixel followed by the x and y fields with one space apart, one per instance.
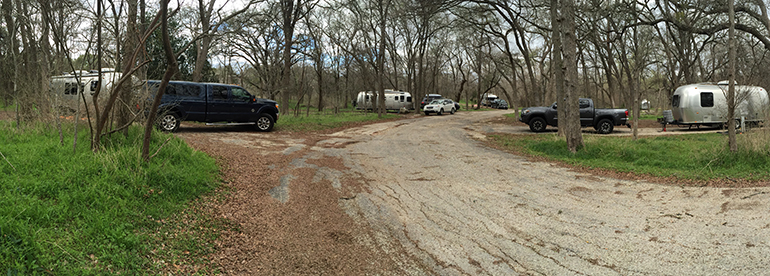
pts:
pixel 86 213
pixel 322 121
pixel 696 157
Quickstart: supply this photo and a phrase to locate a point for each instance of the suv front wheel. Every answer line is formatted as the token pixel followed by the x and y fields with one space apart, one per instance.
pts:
pixel 265 122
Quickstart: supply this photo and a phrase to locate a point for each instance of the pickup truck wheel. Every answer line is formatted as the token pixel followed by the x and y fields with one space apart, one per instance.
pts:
pixel 427 113
pixel 265 122
pixel 452 111
pixel 169 122
pixel 537 124
pixel 440 111
pixel 604 126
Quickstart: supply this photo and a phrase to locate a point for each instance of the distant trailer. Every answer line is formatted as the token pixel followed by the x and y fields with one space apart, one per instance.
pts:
pixel 705 104
pixel 487 98
pixel 394 100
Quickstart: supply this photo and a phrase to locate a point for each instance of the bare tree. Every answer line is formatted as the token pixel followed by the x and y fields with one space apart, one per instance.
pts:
pixel 570 103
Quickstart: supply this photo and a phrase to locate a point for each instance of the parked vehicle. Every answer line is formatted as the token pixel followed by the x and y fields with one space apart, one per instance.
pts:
pixel 487 98
pixel 603 120
pixel 439 107
pixel 429 98
pixel 213 104
pixel 394 100
pixel 67 88
pixel 706 104
pixel 499 104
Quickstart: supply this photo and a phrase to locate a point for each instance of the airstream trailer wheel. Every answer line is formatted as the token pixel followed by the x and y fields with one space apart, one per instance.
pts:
pixel 537 124
pixel 169 122
pixel 265 122
pixel 604 126
pixel 453 111
pixel 440 111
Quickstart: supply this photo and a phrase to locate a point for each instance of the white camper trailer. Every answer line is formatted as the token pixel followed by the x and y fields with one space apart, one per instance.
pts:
pixel 487 98
pixel 67 91
pixel 394 100
pixel 706 104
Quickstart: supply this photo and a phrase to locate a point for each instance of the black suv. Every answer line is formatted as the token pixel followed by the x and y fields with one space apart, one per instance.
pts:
pixel 429 98
pixel 212 103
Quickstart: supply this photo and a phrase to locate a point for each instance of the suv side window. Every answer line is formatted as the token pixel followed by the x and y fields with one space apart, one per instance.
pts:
pixel 219 92
pixel 584 103
pixel 240 94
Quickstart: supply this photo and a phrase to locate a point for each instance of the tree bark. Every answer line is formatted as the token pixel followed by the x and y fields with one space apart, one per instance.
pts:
pixel 571 107
pixel 732 140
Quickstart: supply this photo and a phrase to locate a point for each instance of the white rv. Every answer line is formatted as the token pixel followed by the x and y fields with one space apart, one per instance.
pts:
pixel 487 98
pixel 706 104
pixel 66 89
pixel 394 100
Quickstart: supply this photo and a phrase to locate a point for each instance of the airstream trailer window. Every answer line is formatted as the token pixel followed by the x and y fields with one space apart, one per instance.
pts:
pixel 675 101
pixel 409 99
pixel 707 99
pixel 402 98
pixel 70 89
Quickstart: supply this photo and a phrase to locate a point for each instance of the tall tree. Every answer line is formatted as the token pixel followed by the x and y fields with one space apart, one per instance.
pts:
pixel 569 66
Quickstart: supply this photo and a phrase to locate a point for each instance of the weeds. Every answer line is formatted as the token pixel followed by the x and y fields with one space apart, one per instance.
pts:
pixel 697 156
pixel 86 213
pixel 323 121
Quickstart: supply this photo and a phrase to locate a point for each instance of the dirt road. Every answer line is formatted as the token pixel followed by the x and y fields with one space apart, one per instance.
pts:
pixel 424 196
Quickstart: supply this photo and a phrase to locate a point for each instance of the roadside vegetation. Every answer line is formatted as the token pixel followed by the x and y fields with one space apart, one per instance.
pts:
pixel 86 213
pixel 700 157
pixel 318 121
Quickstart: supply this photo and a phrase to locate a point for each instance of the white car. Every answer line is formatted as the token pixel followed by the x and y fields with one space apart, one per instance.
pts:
pixel 439 106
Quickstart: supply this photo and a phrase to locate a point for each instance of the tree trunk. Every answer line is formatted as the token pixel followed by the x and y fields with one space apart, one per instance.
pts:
pixel 172 66
pixel 732 140
pixel 571 107
pixel 557 63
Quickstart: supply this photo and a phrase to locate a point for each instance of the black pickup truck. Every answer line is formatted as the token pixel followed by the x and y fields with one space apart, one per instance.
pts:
pixel 603 120
pixel 212 103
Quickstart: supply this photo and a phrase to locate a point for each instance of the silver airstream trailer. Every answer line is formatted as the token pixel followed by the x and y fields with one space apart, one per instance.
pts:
pixel 706 104
pixel 67 89
pixel 394 100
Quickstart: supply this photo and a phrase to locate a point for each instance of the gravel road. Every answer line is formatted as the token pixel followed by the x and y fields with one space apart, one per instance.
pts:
pixel 433 200
pixel 463 208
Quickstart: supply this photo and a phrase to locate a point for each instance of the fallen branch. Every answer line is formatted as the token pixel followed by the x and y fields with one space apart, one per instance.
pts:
pixel 6 160
pixel 161 146
pixel 748 196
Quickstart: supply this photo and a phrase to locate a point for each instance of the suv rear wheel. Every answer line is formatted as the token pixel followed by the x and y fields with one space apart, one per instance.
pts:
pixel 168 122
pixel 604 126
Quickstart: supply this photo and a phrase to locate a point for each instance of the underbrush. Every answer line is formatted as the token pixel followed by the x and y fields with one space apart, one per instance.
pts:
pixel 696 156
pixel 85 213
pixel 322 121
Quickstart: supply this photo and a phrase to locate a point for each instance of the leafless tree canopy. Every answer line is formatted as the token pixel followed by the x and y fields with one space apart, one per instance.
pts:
pixel 321 53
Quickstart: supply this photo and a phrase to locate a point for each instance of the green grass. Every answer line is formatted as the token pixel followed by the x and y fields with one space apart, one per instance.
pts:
pixel 86 213
pixel 697 156
pixel 326 120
